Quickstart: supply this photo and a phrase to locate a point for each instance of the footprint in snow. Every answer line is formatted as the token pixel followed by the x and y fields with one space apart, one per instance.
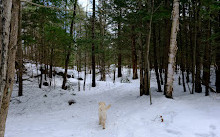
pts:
pixel 173 132
pixel 206 135
pixel 212 127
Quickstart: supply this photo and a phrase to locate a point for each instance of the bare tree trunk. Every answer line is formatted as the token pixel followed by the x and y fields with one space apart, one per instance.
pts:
pixel 93 46
pixel 84 83
pixel 167 44
pixel 51 66
pixel 78 82
pixel 194 51
pixel 45 69
pixel 5 20
pixel 217 71
pixel 155 58
pixel 173 49
pixel 10 72
pixel 161 62
pixel 207 59
pixel 141 64
pixel 79 50
pixel 20 53
pixel 134 54
pixel 102 31
pixel 41 76
pixel 187 55
pixel 198 86
pixel 68 52
pixel 182 53
pixel 183 40
pixel 147 61
pixel 119 47
pixel 114 76
pixel 141 53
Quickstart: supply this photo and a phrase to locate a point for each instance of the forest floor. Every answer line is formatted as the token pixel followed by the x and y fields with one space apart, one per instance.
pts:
pixel 46 113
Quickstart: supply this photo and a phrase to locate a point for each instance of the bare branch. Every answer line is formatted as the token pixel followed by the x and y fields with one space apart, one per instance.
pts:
pixel 38 5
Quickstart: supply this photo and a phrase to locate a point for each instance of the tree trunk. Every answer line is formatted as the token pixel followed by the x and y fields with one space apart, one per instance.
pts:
pixel 187 47
pixel 114 76
pixel 102 31
pixel 141 53
pixel 184 44
pixel 141 66
pixel 41 76
pixel 119 47
pixel 10 72
pixel 194 49
pixel 51 66
pixel 20 53
pixel 207 60
pixel 182 61
pixel 198 86
pixel 173 49
pixel 217 71
pixel 167 44
pixel 69 48
pixel 84 83
pixel 155 58
pixel 134 55
pixel 161 62
pixel 147 61
pixel 93 45
pixel 5 20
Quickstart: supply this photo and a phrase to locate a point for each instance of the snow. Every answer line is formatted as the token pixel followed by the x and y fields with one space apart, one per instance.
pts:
pixel 46 113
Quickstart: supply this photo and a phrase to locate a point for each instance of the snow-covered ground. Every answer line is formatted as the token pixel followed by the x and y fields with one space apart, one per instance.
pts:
pixel 46 113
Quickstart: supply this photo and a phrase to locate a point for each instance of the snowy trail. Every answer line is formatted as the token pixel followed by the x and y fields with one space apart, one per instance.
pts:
pixel 130 115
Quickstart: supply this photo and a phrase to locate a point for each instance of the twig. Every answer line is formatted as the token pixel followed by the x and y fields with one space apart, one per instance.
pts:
pixel 157 7
pixel 38 5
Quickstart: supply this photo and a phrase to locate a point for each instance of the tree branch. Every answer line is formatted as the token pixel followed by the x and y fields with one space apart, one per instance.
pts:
pixel 38 5
pixel 157 7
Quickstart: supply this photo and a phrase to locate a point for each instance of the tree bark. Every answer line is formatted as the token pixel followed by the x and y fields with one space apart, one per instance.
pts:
pixel 141 52
pixel 102 31
pixel 134 55
pixel 186 46
pixel 182 53
pixel 207 60
pixel 69 48
pixel 161 62
pixel 194 48
pixel 84 82
pixel 51 66
pixel 167 43
pixel 147 61
pixel 198 86
pixel 93 45
pixel 10 72
pixel 20 53
pixel 141 65
pixel 5 19
pixel 41 76
pixel 173 49
pixel 119 46
pixel 155 59
pixel 217 71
